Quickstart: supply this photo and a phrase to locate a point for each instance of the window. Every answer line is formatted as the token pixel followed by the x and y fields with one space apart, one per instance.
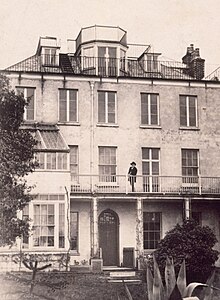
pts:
pixel 188 111
pixel 61 225
pixel 74 168
pixel 47 213
pixel 149 109
pixel 50 57
pixel 51 160
pixel 25 216
pixel 74 220
pixel 150 169
pixel 152 229
pixel 107 164
pixel 29 94
pixel 44 223
pixel 106 107
pixel 68 105
pixel 190 167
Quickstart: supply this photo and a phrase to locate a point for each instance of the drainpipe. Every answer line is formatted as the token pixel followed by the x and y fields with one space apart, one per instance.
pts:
pixel 92 84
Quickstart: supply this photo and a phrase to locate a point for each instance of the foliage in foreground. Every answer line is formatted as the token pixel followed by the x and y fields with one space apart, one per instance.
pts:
pixel 16 161
pixel 192 243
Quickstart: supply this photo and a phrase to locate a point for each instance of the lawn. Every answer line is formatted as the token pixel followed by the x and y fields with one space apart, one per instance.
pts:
pixel 65 286
pixel 70 285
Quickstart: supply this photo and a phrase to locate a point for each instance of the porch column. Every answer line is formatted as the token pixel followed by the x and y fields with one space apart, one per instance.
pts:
pixel 139 227
pixel 95 226
pixel 187 208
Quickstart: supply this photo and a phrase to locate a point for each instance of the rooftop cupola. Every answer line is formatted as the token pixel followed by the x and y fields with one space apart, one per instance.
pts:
pixel 48 49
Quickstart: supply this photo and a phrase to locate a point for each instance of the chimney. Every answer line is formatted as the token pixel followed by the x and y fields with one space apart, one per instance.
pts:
pixel 195 64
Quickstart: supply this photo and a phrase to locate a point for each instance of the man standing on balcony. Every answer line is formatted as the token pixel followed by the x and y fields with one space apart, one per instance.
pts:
pixel 132 172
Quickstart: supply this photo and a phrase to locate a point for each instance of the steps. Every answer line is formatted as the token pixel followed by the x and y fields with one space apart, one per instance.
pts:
pixel 121 275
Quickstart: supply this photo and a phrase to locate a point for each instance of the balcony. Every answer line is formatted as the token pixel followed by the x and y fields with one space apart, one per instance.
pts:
pixel 103 67
pixel 120 184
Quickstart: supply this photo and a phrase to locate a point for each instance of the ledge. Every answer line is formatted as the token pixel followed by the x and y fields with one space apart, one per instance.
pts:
pixel 107 125
pixel 150 126
pixel 190 128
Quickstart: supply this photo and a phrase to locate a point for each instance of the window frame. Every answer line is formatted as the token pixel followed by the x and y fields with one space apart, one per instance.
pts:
pixel 74 177
pixel 151 182
pixel 49 199
pixel 106 107
pixel 187 97
pixel 187 179
pixel 155 241
pixel 68 106
pixel 149 110
pixel 44 155
pixel 25 88
pixel 107 177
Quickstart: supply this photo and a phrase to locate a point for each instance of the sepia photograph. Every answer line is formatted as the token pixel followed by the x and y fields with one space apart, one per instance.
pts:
pixel 109 150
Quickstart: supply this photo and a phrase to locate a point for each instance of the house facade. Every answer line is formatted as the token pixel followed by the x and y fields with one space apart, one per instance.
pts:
pixel 95 110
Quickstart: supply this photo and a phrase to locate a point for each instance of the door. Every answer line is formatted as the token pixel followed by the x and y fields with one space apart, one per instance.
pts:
pixel 108 237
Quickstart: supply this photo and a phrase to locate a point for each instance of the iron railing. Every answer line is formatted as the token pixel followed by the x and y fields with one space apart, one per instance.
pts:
pixel 145 184
pixel 103 67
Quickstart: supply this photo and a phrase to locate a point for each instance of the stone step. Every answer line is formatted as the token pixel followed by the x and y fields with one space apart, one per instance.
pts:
pixel 127 281
pixel 123 274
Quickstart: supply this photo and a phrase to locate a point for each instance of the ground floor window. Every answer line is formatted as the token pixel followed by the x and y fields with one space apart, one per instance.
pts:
pixel 47 215
pixel 74 220
pixel 152 229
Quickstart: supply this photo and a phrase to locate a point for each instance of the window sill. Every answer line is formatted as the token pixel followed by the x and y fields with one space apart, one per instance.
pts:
pixel 189 128
pixel 109 184
pixel 150 126
pixel 51 171
pixel 69 123
pixel 106 125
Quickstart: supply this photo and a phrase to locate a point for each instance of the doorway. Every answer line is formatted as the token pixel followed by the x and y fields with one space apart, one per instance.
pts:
pixel 109 237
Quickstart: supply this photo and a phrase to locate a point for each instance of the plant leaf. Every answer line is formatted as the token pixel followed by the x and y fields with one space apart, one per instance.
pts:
pixel 191 287
pixel 181 279
pixel 150 281
pixel 158 289
pixel 170 277
pixel 207 293
pixel 128 293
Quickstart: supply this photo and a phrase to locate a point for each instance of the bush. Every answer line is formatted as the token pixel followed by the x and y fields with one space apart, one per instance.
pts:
pixel 191 242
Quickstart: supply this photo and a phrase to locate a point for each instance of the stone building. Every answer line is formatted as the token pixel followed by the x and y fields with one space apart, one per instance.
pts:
pixel 93 111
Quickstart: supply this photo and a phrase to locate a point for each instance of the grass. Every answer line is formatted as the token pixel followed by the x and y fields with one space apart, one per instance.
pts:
pixel 65 286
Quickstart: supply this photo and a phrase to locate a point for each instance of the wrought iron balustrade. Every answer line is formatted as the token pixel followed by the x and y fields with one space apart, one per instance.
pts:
pixel 146 184
pixel 103 66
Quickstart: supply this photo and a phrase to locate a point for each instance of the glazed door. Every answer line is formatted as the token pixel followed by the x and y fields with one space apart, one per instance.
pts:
pixel 108 237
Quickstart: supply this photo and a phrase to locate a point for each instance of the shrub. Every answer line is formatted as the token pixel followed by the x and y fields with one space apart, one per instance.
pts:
pixel 191 242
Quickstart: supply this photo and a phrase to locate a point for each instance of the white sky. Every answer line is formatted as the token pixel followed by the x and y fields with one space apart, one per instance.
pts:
pixel 169 25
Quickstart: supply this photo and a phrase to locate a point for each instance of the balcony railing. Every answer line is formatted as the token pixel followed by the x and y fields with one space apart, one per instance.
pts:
pixel 145 184
pixel 103 67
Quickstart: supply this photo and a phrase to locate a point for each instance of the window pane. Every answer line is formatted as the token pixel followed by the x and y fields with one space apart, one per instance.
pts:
pixel 74 230
pixel 111 107
pixel 183 111
pixel 154 110
pixel 72 105
pixel 144 109
pixel 152 229
pixel 192 111
pixel 30 106
pixel 63 106
pixel 101 107
pixel 145 153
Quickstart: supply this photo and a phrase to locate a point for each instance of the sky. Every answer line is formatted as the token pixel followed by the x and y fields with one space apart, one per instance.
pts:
pixel 168 25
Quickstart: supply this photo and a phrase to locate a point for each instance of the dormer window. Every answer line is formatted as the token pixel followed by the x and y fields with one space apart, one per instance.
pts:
pixel 50 57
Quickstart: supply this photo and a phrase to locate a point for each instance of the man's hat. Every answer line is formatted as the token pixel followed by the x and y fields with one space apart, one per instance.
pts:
pixel 133 163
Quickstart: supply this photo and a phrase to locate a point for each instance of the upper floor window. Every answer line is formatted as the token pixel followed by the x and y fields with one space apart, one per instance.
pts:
pixel 149 109
pixel 152 229
pixel 106 107
pixel 188 111
pixel 190 165
pixel 50 56
pixel 107 164
pixel 29 95
pixel 68 105
pixel 74 167
pixel 151 169
pixel 51 160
